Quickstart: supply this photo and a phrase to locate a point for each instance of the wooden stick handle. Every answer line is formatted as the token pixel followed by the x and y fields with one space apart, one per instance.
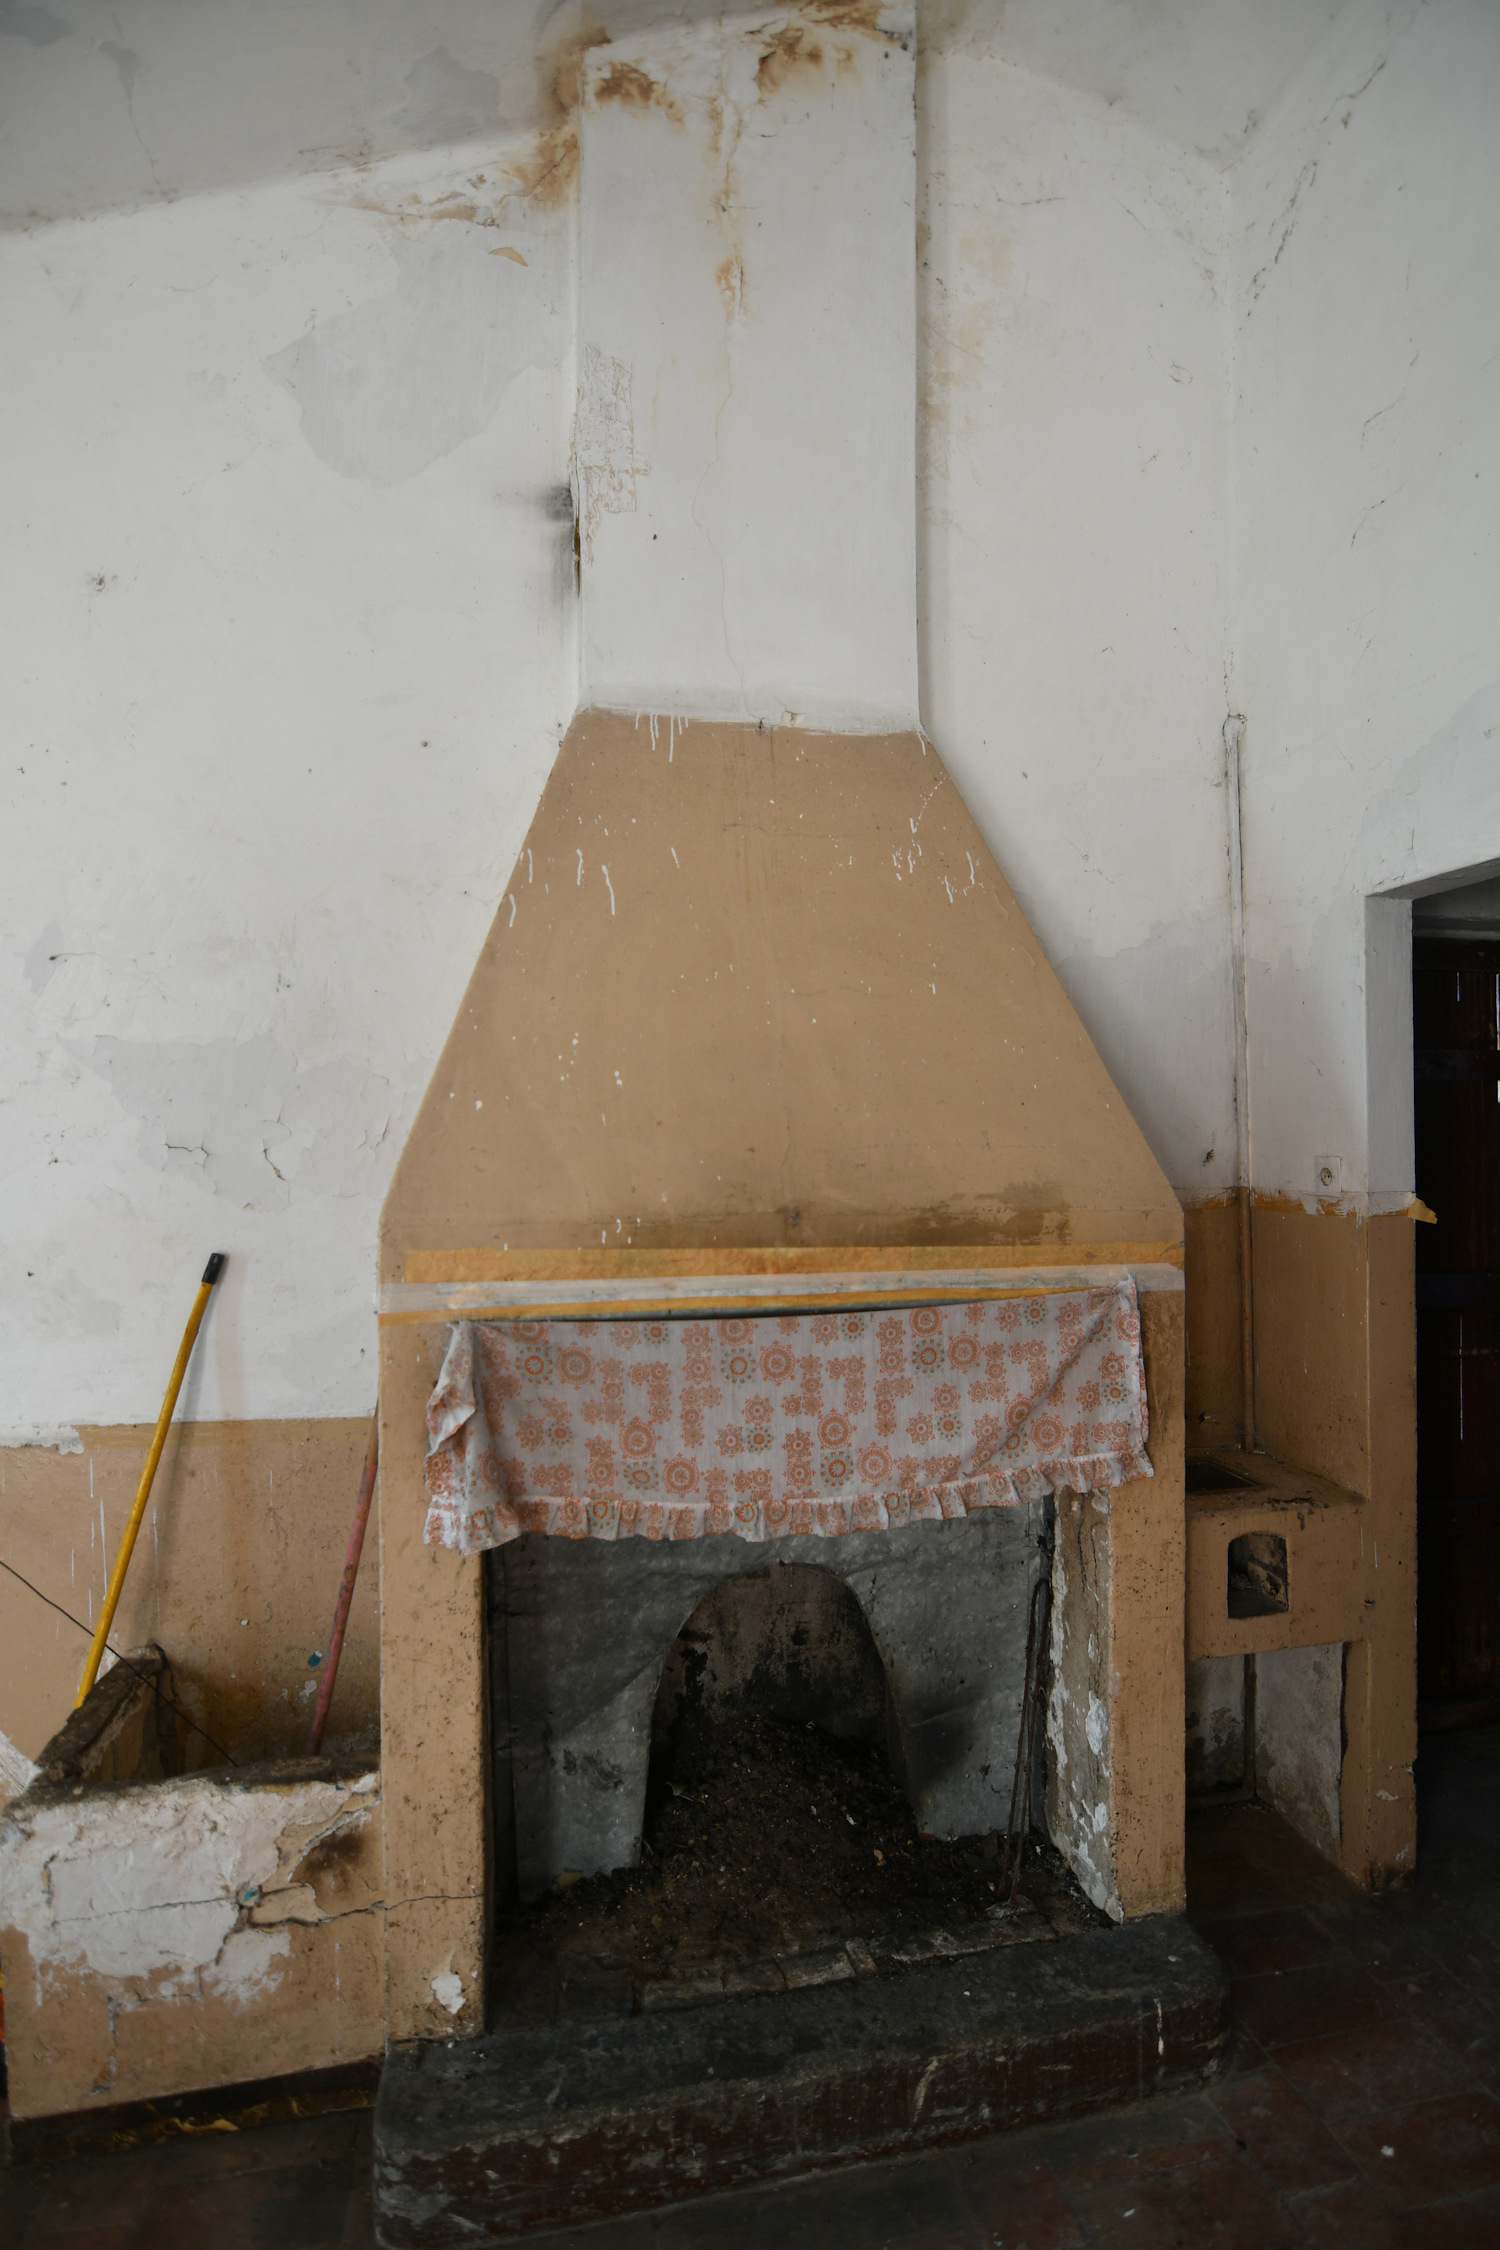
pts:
pixel 211 1273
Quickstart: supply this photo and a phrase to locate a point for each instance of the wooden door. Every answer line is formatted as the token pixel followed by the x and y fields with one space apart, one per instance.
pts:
pixel 1456 1026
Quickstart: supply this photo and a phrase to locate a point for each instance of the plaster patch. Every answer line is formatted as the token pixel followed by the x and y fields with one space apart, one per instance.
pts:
pixel 1299 1703
pixel 40 964
pixel 605 465
pixel 132 1883
pixel 246 1118
pixel 407 377
pixel 55 1437
pixel 448 1991
pixel 1079 1790
pixel 1096 1727
pixel 447 102
pixel 249 1963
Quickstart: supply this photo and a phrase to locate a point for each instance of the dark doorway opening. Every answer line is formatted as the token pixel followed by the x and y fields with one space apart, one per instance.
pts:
pixel 1456 1038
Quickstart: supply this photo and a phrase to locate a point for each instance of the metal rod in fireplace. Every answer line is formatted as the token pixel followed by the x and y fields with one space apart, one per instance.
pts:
pixel 1039 1618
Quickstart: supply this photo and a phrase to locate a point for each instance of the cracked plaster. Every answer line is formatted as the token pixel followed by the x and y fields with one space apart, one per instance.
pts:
pixel 160 1877
pixel 155 1933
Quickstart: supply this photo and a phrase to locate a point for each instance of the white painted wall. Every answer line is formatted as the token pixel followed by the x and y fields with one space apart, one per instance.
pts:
pixel 110 104
pixel 1074 585
pixel 290 620
pixel 744 460
pixel 287 593
pixel 1365 475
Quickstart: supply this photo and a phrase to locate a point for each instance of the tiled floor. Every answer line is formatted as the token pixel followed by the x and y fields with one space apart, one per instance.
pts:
pixel 1359 2110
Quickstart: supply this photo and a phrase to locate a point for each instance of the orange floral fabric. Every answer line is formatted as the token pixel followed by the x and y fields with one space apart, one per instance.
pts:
pixel 820 1423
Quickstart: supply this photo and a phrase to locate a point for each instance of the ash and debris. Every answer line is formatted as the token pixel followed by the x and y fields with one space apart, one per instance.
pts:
pixel 775 1855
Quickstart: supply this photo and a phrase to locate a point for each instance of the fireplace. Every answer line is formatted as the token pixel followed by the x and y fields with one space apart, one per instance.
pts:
pixel 760 1036
pixel 766 1828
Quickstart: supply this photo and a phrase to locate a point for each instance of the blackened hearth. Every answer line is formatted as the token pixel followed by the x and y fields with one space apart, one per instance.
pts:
pixel 776 1855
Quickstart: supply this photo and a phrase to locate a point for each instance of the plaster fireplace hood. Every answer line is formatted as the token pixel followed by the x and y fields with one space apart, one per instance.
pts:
pixel 758 1012
pixel 763 989
pixel 756 981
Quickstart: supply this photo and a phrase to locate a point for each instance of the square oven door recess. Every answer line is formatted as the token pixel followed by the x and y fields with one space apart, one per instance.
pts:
pixel 1257 1575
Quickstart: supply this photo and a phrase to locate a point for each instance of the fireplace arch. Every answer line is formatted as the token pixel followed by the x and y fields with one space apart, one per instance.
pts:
pixel 581 1633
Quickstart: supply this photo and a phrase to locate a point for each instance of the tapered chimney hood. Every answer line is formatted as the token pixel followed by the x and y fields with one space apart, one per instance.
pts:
pixel 756 981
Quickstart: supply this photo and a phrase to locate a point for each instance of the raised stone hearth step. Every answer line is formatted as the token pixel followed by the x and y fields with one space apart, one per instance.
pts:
pixel 541 2126
pixel 1019 1924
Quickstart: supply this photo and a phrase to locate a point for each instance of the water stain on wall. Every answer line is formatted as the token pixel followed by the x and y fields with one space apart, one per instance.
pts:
pixel 729 273
pixel 850 15
pixel 37 26
pixel 792 51
pixel 634 88
pixel 547 173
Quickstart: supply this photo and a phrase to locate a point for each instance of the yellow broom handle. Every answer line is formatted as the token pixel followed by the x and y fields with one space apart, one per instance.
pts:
pixel 211 1273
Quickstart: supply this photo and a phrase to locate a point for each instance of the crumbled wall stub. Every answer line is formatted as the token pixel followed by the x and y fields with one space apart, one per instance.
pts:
pixel 1080 1803
pixel 165 1935
pixel 1215 1723
pixel 1299 1747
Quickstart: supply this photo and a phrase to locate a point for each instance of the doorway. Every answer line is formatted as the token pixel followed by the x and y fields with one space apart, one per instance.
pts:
pixel 1456 1102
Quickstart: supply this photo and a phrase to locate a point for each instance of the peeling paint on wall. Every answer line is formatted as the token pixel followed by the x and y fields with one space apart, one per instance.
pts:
pixel 16 1771
pixel 247 1119
pixel 1080 1816
pixel 157 1934
pixel 604 464
pixel 162 1877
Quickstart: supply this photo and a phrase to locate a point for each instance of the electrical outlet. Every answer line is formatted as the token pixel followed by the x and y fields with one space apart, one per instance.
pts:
pixel 1328 1172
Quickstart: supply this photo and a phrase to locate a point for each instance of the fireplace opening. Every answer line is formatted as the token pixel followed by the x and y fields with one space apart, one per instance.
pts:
pixel 787 1643
pixel 779 1847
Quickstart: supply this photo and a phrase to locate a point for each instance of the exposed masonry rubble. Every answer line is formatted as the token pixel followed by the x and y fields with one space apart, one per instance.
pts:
pixel 129 1895
pixel 1080 1801
pixel 189 1877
